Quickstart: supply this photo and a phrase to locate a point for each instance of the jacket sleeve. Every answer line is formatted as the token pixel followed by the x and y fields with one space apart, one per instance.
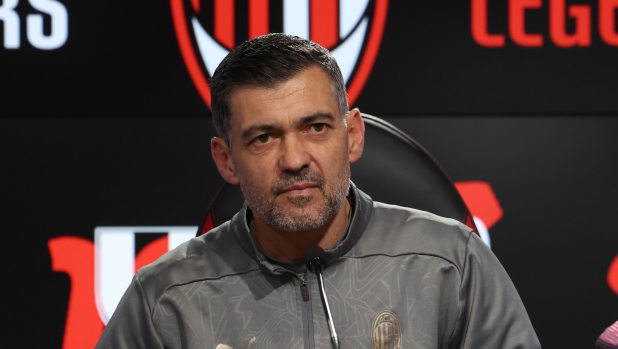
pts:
pixel 131 324
pixel 492 314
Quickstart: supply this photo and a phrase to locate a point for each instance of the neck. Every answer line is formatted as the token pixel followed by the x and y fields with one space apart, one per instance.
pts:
pixel 290 246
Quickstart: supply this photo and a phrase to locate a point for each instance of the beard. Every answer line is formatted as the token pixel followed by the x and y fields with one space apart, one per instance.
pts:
pixel 300 216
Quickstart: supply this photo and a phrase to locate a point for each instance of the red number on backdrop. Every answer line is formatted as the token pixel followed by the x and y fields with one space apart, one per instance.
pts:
pixel 612 275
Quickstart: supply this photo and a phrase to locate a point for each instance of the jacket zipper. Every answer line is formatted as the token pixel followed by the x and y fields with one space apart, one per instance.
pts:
pixel 306 310
pixel 307 314
pixel 304 290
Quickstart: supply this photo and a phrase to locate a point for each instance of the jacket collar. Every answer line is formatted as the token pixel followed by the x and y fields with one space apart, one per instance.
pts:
pixel 362 207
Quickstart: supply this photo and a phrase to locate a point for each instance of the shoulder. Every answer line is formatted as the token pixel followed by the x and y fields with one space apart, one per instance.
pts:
pixel 395 231
pixel 211 256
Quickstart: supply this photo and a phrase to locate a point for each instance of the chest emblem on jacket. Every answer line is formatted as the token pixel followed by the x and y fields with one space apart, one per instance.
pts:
pixel 224 346
pixel 386 331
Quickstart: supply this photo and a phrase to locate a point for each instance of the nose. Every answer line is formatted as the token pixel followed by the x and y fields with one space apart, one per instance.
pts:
pixel 294 156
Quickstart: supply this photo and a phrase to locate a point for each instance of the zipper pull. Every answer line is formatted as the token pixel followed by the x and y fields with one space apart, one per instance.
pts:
pixel 304 290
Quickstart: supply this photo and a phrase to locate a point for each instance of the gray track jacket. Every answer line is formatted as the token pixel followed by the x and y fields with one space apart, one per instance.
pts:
pixel 400 278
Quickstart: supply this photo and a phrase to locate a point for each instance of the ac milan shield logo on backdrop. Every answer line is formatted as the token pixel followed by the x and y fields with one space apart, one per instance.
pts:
pixel 207 30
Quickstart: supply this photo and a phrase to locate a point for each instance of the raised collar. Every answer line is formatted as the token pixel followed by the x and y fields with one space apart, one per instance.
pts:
pixel 362 207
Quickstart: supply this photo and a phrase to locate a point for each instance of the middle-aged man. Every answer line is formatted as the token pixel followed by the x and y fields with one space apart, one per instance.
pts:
pixel 395 277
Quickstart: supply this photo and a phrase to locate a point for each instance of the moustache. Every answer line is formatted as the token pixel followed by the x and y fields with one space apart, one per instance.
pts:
pixel 287 180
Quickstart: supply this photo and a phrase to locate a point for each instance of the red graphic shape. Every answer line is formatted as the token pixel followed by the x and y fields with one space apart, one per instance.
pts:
pixel 208 225
pixel 75 256
pixel 191 60
pixel 481 201
pixel 224 23
pixel 187 51
pixel 469 222
pixel 607 21
pixel 151 252
pixel 479 26
pixel 612 275
pixel 259 18
pixel 196 5
pixel 325 22
pixel 371 53
pixel 557 24
pixel 517 22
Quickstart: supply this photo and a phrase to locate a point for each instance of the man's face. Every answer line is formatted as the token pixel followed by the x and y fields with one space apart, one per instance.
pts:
pixel 289 148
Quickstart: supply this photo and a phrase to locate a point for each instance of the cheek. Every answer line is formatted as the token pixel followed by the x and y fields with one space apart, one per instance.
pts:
pixel 332 158
pixel 255 172
pixel 339 150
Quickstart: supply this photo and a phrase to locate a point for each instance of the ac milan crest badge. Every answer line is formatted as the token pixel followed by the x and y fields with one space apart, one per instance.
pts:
pixel 207 30
pixel 386 331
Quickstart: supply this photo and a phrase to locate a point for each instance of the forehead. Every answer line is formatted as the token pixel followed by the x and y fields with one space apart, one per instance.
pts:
pixel 307 93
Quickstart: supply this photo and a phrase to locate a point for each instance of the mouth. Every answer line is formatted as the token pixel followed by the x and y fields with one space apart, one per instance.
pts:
pixel 300 189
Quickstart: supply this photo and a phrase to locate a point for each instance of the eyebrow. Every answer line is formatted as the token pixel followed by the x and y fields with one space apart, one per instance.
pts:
pixel 259 128
pixel 319 116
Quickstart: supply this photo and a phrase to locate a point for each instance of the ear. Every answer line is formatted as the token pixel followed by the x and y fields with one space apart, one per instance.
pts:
pixel 356 134
pixel 223 159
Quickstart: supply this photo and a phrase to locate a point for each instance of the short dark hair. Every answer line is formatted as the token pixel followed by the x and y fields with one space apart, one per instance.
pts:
pixel 268 61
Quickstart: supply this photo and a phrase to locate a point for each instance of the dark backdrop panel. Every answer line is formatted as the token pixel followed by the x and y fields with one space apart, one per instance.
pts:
pixel 554 178
pixel 430 63
pixel 110 130
pixel 122 57
pixel 64 177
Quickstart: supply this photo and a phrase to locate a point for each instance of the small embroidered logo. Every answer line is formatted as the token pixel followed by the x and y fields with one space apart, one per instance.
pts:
pixel 225 346
pixel 386 332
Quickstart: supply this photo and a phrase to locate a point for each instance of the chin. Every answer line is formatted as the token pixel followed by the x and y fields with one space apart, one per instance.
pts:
pixel 299 212
pixel 298 219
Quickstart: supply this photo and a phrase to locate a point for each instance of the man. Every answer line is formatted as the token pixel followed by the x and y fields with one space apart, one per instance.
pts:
pixel 394 277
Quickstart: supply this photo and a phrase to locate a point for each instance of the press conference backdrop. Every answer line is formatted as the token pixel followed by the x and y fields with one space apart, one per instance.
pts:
pixel 105 128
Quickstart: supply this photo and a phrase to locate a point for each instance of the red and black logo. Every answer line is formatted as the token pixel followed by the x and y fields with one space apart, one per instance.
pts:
pixel 207 30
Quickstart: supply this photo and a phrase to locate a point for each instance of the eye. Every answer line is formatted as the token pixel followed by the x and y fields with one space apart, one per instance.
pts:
pixel 318 127
pixel 263 138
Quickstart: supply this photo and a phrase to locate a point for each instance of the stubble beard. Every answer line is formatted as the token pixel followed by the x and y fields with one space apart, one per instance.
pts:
pixel 300 216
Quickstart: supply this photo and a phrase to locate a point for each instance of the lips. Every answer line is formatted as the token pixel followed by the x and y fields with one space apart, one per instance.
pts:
pixel 300 189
